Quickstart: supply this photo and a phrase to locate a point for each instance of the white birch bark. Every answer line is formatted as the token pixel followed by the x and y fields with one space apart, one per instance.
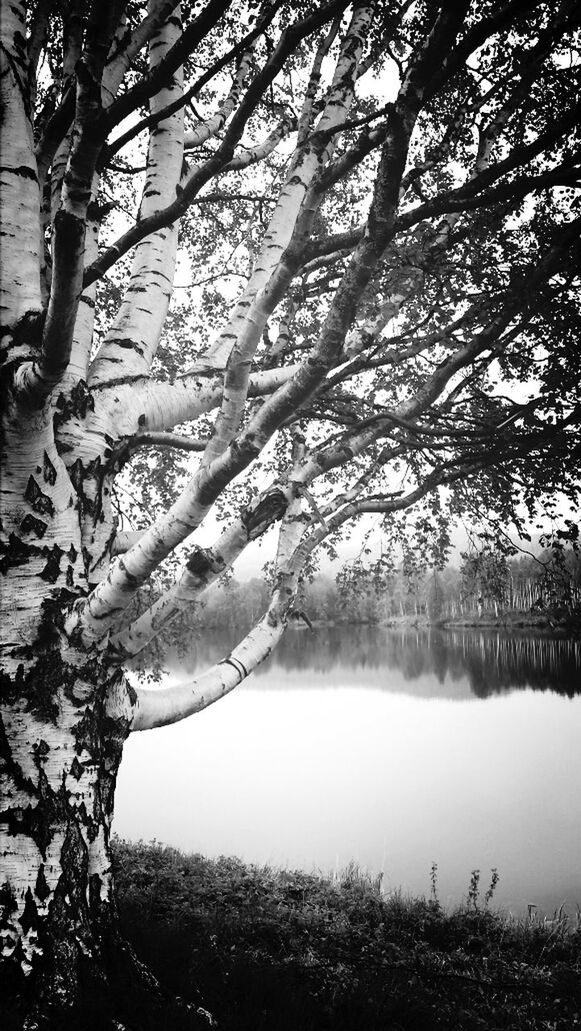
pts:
pixel 19 191
pixel 78 367
pixel 238 341
pixel 307 109
pixel 57 759
pixel 247 315
pixel 155 708
pixel 132 341
pixel 252 155
pixel 206 130
pixel 205 565
pixel 149 406
pixel 124 50
pixel 38 509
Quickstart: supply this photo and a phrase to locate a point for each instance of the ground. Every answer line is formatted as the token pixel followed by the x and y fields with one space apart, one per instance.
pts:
pixel 273 950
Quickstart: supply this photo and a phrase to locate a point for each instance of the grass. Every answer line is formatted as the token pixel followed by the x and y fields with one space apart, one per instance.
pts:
pixel 275 950
pixel 280 951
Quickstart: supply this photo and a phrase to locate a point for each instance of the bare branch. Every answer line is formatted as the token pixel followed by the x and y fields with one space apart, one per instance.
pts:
pixel 173 440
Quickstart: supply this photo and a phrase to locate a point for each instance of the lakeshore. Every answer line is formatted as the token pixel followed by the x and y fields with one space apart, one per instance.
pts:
pixel 279 950
pixel 516 619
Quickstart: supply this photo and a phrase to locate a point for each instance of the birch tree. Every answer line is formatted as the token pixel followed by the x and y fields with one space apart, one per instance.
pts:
pixel 292 263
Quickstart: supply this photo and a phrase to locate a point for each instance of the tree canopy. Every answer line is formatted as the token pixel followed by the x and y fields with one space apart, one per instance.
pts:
pixel 373 214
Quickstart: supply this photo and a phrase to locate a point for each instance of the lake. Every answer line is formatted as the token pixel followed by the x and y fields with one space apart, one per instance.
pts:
pixel 393 749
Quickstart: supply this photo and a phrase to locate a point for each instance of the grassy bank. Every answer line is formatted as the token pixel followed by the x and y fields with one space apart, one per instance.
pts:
pixel 275 950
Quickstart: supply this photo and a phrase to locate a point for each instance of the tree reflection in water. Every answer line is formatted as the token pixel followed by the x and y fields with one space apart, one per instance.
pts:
pixel 490 661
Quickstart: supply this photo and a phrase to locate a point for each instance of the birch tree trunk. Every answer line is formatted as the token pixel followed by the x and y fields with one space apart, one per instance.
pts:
pixel 65 716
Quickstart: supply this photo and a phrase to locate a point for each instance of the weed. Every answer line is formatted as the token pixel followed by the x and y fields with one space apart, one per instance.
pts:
pixel 473 891
pixel 434 885
pixel 494 879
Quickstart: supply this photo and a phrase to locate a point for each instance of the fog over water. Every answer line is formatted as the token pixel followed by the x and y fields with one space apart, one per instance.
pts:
pixel 392 749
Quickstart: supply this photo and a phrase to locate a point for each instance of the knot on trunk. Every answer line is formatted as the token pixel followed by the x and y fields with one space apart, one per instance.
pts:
pixel 202 563
pixel 261 514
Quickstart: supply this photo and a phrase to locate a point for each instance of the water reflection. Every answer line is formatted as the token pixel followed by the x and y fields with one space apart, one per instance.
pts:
pixel 434 662
pixel 463 750
pixel 317 778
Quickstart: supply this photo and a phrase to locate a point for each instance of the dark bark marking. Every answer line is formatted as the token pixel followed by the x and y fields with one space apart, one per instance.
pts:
pixel 70 902
pixel 132 694
pixel 36 822
pixel 85 733
pixel 51 571
pixel 79 402
pixel 202 563
pixel 40 502
pixel 41 750
pixel 17 553
pixel 132 580
pixel 8 903
pixel 260 515
pixel 76 475
pixel 128 344
pixel 236 664
pixel 30 524
pixel 20 170
pixel 86 554
pixel 49 471
pixel 41 888
pixel 29 918
pixel 10 766
pixel 28 329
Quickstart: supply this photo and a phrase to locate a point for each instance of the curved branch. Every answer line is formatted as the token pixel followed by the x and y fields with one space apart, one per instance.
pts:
pixel 158 708
pixel 252 155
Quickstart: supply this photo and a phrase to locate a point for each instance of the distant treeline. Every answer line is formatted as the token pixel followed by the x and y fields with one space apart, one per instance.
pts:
pixel 481 662
pixel 486 581
pixel 534 590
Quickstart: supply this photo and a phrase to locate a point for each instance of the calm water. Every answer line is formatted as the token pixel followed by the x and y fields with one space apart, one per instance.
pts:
pixel 392 749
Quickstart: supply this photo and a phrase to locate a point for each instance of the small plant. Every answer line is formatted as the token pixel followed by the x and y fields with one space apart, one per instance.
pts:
pixel 494 879
pixel 434 885
pixel 473 890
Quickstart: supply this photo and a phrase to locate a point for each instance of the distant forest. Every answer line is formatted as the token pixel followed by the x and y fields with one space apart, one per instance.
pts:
pixel 485 582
